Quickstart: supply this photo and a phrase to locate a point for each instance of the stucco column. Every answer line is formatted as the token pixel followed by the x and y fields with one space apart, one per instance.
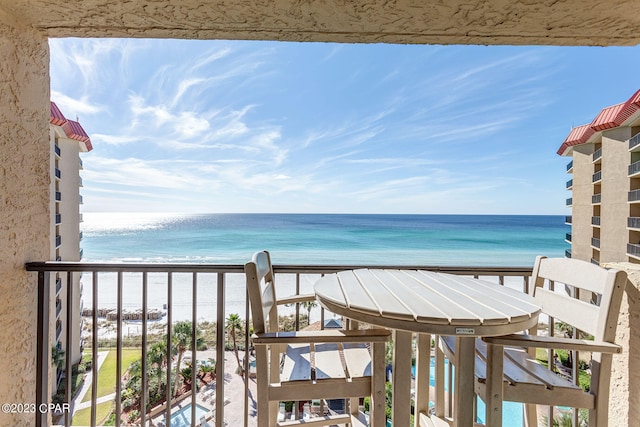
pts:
pixel 624 401
pixel 24 205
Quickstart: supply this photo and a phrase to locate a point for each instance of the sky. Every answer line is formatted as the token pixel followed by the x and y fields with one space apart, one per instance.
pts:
pixel 279 127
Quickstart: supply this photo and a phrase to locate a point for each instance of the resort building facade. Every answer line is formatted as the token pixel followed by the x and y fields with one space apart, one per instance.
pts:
pixel 605 185
pixel 67 140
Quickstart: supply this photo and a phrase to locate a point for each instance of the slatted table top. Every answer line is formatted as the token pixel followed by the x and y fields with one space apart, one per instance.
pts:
pixel 427 302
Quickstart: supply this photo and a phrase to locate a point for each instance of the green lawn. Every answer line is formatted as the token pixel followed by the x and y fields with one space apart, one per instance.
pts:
pixel 107 373
pixel 83 416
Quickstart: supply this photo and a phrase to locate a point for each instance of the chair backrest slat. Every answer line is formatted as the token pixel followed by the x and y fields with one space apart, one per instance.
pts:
pixel 262 293
pixel 597 320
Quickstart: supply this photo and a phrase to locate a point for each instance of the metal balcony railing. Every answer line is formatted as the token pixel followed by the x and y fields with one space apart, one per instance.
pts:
pixel 634 141
pixel 57 172
pixel 633 222
pixel 58 218
pixel 633 250
pixel 596 154
pixel 597 176
pixel 58 196
pixel 569 165
pixel 56 149
pixel 567 253
pixel 569 201
pixel 568 219
pixel 58 241
pixel 595 242
pixel 595 220
pixel 569 184
pixel 567 237
pixel 634 168
pixel 634 196
pixel 596 199
pixel 209 285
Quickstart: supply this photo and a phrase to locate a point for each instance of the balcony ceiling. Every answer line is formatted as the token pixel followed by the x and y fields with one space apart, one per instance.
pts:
pixel 534 22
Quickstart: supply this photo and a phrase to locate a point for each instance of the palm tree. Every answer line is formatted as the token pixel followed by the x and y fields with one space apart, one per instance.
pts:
pixel 157 360
pixel 233 325
pixel 182 337
pixel 309 305
pixel 57 357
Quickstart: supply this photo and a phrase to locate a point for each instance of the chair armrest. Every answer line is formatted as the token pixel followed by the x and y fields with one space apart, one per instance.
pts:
pixel 523 340
pixel 296 298
pixel 308 337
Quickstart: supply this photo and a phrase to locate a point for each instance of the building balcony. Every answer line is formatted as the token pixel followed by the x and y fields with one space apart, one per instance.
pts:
pixel 633 250
pixel 80 235
pixel 595 243
pixel 568 219
pixel 595 261
pixel 567 253
pixel 58 307
pixel 570 184
pixel 597 177
pixel 58 196
pixel 595 220
pixel 80 182
pixel 596 199
pixel 569 201
pixel 633 222
pixel 56 149
pixel 634 196
pixel 570 167
pixel 57 173
pixel 58 285
pixel 597 155
pixel 80 199
pixel 567 237
pixel 634 169
pixel 204 281
pixel 81 164
pixel 58 241
pixel 58 219
pixel 634 142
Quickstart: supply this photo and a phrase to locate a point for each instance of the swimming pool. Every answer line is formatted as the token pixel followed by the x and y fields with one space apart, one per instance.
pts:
pixel 182 418
pixel 512 412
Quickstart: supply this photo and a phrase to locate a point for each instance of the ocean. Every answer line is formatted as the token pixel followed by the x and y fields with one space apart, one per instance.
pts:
pixel 336 239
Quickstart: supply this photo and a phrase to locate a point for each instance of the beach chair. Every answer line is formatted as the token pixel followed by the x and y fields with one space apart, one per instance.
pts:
pixel 580 294
pixel 306 365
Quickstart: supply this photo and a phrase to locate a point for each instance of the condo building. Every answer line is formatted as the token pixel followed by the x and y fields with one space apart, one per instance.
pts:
pixel 67 140
pixel 605 185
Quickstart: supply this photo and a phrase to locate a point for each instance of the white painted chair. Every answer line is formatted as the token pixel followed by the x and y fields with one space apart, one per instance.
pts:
pixel 506 367
pixel 306 365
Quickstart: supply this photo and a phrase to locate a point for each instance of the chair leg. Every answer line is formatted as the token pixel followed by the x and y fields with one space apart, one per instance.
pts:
pixel 494 397
pixel 378 396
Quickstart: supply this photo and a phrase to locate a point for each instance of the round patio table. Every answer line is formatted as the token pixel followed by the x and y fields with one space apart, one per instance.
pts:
pixel 426 302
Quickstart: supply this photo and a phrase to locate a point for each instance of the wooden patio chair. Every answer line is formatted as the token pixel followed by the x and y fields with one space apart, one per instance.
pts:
pixel 306 365
pixel 506 367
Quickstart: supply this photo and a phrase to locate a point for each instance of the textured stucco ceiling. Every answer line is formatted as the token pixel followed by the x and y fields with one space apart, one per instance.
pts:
pixel 559 22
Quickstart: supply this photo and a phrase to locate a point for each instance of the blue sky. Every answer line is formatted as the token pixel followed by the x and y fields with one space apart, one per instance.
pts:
pixel 238 126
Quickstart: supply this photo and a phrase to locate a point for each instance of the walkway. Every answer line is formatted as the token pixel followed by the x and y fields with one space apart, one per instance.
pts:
pixel 77 403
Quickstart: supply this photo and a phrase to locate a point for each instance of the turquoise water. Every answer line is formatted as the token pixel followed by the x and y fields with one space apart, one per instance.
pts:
pixel 512 412
pixel 467 240
pixel 182 418
pixel 476 240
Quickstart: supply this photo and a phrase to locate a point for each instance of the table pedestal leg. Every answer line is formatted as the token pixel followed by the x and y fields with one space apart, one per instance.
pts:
pixel 464 394
pixel 401 400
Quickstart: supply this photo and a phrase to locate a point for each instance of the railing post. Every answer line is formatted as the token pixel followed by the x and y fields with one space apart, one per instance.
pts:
pixel 220 353
pixel 43 349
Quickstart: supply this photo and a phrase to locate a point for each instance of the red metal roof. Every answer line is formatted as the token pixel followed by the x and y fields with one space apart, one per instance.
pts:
pixel 71 128
pixel 630 107
pixel 578 135
pixel 607 118
pixel 56 117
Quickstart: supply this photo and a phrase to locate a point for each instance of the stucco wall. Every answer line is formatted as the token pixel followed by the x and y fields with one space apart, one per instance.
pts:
pixel 582 209
pixel 525 22
pixel 615 187
pixel 624 400
pixel 24 205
